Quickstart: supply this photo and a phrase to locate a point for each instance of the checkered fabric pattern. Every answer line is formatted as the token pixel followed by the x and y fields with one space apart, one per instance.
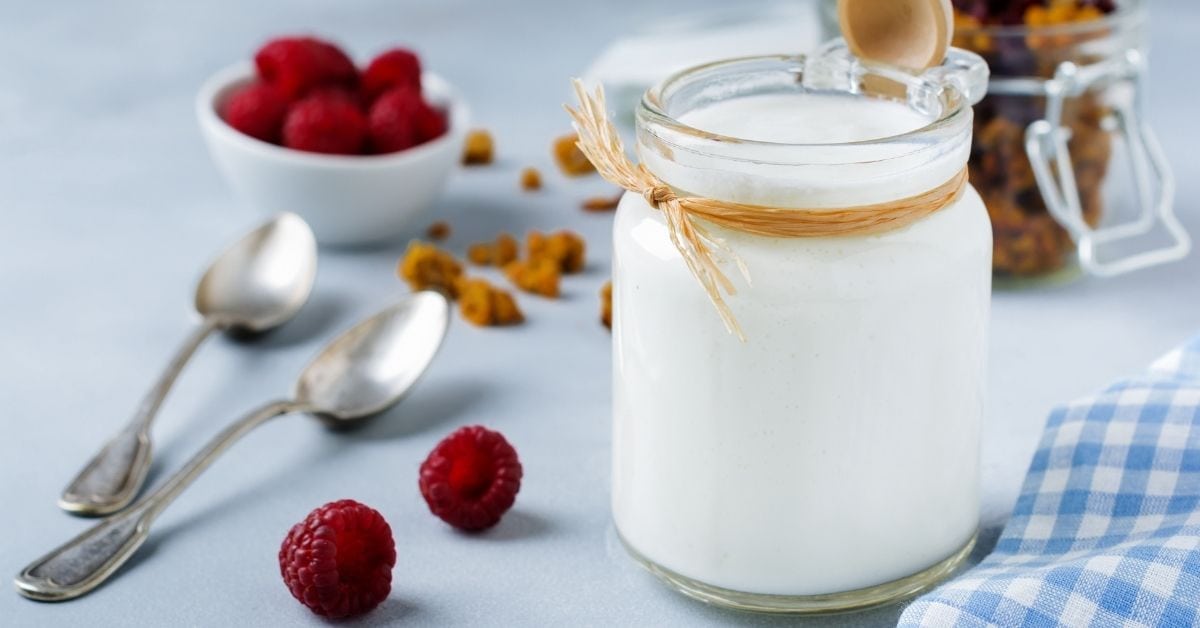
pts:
pixel 1106 531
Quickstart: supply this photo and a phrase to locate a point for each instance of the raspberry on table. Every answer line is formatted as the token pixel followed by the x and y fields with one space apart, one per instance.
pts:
pixel 295 65
pixel 325 123
pixel 338 561
pixel 257 110
pixel 398 67
pixel 471 478
pixel 401 119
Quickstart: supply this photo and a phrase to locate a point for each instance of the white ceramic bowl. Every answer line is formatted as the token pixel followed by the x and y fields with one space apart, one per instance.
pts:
pixel 346 199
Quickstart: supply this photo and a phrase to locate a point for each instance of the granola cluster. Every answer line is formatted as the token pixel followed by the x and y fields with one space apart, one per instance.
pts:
pixel 547 257
pixel 1027 240
pixel 537 268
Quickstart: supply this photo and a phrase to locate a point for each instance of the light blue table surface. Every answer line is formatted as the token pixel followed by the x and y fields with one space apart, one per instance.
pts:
pixel 110 207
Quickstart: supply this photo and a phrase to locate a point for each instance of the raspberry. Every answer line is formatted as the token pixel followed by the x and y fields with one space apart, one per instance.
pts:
pixel 397 67
pixel 339 91
pixel 296 64
pixel 325 123
pixel 401 119
pixel 471 478
pixel 256 110
pixel 338 561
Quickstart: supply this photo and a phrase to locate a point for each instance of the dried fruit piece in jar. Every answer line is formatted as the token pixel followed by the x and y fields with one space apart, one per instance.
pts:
pixel 478 148
pixel 425 267
pixel 564 248
pixel 1027 241
pixel 482 304
pixel 531 179
pixel 569 158
pixel 606 304
pixel 538 275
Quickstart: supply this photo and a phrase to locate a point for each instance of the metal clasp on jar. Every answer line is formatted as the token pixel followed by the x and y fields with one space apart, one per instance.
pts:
pixel 1046 143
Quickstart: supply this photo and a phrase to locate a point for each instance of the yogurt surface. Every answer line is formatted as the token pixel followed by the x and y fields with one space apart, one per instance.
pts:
pixel 807 119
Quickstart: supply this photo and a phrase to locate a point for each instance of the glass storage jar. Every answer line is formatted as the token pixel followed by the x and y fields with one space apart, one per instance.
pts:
pixel 830 461
pixel 1063 95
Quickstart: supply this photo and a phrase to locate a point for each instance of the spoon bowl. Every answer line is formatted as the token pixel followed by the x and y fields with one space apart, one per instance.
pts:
pixel 262 280
pixel 373 365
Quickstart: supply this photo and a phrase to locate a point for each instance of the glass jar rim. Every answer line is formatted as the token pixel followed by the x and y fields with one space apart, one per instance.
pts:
pixel 1128 13
pixel 652 114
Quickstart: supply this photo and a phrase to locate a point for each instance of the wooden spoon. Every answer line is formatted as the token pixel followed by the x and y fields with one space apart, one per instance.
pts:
pixel 911 34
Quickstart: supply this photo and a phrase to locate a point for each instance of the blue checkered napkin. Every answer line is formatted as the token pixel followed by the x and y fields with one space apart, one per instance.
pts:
pixel 1106 531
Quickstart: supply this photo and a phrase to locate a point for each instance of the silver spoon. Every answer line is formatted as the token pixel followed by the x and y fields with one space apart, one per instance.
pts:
pixel 257 284
pixel 361 373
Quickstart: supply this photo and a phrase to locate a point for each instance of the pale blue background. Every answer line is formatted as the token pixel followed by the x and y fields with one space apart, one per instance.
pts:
pixel 110 207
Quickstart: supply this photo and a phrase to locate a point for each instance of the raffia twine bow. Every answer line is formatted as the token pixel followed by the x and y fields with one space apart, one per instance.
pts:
pixel 686 217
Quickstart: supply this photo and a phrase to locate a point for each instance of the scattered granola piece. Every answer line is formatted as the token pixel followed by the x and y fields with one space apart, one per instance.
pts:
pixel 564 248
pixel 426 266
pixel 498 253
pixel 438 231
pixel 537 275
pixel 602 203
pixel 569 158
pixel 482 304
pixel 481 253
pixel 606 304
pixel 531 179
pixel 504 308
pixel 507 249
pixel 478 148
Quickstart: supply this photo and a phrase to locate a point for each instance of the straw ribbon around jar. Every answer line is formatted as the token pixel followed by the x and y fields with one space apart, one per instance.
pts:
pixel 702 251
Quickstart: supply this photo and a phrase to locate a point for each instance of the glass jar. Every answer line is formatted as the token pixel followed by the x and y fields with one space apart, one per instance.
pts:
pixel 830 461
pixel 1061 99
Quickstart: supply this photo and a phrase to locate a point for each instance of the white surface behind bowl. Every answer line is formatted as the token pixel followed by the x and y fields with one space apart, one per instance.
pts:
pixel 347 199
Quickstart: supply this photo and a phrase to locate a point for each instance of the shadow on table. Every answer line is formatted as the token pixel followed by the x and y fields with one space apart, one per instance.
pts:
pixel 318 319
pixel 430 404
pixel 518 524
pixel 391 612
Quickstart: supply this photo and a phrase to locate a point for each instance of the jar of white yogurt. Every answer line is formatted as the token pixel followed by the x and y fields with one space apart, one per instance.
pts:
pixel 831 460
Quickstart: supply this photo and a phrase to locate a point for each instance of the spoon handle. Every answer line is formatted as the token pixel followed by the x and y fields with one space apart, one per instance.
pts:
pixel 86 561
pixel 113 476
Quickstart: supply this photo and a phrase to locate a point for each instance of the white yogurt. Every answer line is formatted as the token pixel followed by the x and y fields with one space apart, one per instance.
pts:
pixel 837 448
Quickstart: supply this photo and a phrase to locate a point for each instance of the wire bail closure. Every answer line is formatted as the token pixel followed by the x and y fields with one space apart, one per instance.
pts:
pixel 1046 145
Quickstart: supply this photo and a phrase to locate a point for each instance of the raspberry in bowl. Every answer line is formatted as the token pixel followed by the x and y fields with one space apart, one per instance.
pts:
pixel 360 154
